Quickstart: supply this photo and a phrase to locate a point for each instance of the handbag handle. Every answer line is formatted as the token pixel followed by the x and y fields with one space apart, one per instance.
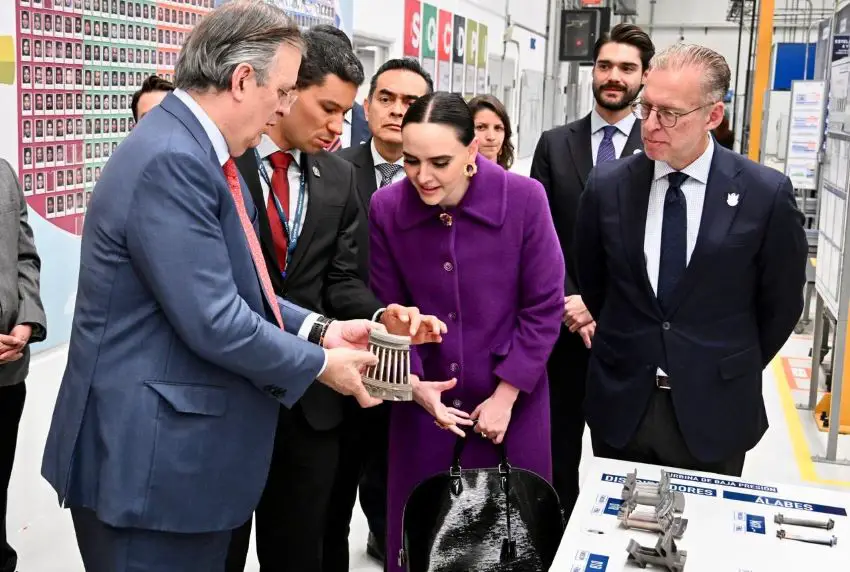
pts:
pixel 460 444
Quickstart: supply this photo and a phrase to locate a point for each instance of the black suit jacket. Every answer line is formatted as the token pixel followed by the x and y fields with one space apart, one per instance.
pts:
pixel 323 275
pixel 731 312
pixel 562 161
pixel 364 168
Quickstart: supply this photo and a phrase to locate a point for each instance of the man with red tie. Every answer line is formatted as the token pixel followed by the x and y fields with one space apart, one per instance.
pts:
pixel 307 231
pixel 181 354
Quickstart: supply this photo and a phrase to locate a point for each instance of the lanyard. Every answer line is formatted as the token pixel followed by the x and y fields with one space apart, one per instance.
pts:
pixel 292 234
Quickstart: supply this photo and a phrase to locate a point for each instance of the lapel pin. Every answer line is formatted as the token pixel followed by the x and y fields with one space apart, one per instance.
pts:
pixel 732 199
pixel 637 152
pixel 316 171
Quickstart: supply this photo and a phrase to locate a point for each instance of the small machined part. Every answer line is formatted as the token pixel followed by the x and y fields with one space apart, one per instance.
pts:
pixel 823 524
pixel 655 521
pixel 652 494
pixel 389 379
pixel 782 535
pixel 665 554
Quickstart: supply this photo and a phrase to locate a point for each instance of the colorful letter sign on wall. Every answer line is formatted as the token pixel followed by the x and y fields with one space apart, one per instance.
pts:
pixel 452 48
pixel 444 53
pixel 458 51
pixel 471 57
pixel 429 41
pixel 412 28
pixel 482 59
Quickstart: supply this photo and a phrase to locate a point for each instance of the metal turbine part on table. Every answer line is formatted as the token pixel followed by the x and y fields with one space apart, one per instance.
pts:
pixel 662 519
pixel 832 541
pixel 652 494
pixel 824 524
pixel 389 379
pixel 665 554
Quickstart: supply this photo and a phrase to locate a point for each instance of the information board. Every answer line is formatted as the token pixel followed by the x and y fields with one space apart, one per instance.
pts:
pixel 804 134
pixel 833 189
pixel 80 61
pixel 730 523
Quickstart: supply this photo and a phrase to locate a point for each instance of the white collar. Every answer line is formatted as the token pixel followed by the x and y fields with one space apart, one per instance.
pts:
pixel 267 147
pixel 624 125
pixel 697 170
pixel 214 134
pixel 377 159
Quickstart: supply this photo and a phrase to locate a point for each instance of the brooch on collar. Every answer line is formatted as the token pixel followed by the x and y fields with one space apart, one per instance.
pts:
pixel 446 219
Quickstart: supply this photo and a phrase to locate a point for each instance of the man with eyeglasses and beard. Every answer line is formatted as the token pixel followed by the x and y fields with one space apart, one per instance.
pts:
pixel 562 161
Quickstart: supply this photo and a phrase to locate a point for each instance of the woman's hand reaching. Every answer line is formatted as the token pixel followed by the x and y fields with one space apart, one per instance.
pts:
pixel 429 394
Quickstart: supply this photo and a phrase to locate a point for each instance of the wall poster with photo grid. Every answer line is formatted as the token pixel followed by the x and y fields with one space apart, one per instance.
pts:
pixel 79 63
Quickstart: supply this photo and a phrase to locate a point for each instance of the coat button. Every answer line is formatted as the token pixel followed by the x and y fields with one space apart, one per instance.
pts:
pixel 452 316
pixel 457 403
pixel 454 367
pixel 665 326
pixel 448 267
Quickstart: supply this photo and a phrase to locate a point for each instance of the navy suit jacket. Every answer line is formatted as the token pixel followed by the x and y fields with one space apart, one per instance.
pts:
pixel 359 126
pixel 732 310
pixel 166 415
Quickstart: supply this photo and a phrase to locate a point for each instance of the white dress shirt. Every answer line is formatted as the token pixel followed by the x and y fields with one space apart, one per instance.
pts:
pixel 222 153
pixel 345 138
pixel 377 159
pixel 621 136
pixel 694 190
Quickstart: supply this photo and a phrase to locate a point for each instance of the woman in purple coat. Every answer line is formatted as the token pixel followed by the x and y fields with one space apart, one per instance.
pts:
pixel 475 246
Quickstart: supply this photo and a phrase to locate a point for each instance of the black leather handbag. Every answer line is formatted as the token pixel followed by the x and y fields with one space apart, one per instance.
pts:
pixel 499 519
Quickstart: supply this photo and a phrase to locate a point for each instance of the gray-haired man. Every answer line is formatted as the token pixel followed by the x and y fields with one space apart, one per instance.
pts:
pixel 22 322
pixel 178 363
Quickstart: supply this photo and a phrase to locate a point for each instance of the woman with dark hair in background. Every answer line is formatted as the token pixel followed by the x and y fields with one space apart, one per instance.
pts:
pixel 493 130
pixel 474 245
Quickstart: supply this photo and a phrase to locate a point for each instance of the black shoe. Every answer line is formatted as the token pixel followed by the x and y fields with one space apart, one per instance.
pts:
pixel 375 548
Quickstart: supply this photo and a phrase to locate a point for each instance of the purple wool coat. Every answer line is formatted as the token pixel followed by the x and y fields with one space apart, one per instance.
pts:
pixel 495 276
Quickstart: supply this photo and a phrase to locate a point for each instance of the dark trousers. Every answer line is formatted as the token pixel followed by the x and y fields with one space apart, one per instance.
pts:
pixel 567 370
pixel 292 513
pixel 108 549
pixel 659 441
pixel 362 462
pixel 11 407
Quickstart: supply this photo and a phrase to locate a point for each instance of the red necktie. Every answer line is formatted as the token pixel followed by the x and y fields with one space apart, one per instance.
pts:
pixel 232 175
pixel 280 187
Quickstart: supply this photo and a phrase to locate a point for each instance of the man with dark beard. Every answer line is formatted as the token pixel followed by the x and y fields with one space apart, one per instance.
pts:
pixel 562 161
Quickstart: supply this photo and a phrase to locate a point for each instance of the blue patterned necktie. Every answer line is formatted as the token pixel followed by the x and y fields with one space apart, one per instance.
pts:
pixel 388 172
pixel 674 239
pixel 606 150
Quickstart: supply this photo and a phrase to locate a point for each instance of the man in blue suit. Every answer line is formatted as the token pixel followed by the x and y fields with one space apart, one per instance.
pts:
pixel 692 259
pixel 163 428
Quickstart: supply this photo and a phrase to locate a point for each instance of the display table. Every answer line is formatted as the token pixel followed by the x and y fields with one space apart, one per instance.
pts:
pixel 730 524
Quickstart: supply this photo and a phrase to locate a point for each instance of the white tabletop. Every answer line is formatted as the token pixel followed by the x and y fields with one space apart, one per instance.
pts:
pixel 730 524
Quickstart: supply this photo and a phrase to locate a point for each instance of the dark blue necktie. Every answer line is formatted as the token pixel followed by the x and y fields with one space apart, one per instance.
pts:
pixel 606 150
pixel 674 238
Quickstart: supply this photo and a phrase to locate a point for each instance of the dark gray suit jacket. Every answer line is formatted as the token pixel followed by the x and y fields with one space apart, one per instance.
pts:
pixel 19 273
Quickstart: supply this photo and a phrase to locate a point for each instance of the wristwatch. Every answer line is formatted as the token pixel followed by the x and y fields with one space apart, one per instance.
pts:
pixel 318 331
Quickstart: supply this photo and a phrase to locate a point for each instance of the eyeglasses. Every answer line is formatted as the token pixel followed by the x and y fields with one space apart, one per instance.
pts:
pixel 288 97
pixel 666 117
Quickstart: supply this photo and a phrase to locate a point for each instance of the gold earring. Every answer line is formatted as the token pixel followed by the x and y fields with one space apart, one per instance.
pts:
pixel 470 170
